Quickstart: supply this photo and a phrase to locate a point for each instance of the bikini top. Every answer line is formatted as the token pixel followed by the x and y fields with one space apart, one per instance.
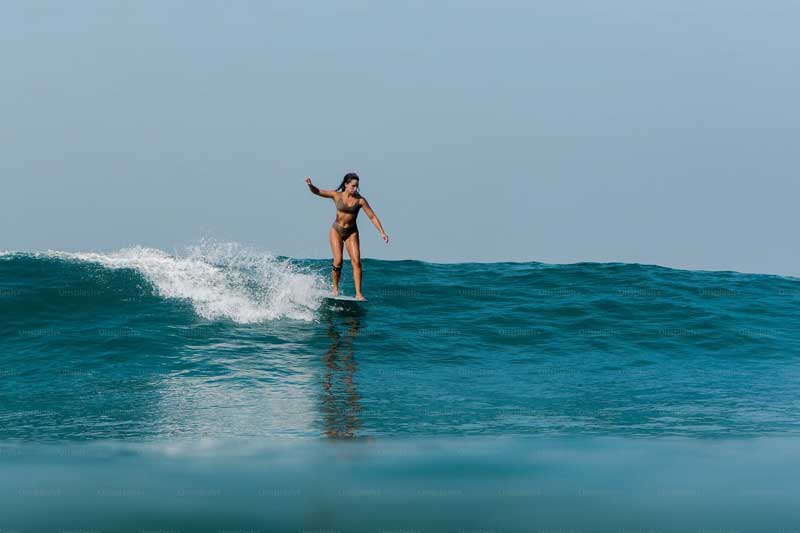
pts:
pixel 340 205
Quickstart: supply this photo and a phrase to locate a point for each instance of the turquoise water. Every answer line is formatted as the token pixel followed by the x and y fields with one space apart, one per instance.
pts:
pixel 466 484
pixel 128 356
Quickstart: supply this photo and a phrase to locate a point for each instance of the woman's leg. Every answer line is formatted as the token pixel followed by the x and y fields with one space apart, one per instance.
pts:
pixel 336 248
pixel 354 251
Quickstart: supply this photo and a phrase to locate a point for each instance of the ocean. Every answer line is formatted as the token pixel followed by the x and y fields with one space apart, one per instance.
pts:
pixel 215 389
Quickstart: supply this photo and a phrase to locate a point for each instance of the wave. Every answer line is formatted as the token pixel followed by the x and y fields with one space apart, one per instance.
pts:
pixel 139 343
pixel 229 281
pixel 220 280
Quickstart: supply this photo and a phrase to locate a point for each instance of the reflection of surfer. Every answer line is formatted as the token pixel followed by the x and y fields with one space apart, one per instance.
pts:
pixel 344 230
pixel 341 420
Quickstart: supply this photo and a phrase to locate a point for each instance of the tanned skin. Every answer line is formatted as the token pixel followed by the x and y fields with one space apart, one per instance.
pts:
pixel 350 197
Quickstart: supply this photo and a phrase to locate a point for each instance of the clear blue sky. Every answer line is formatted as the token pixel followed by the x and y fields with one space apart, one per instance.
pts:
pixel 622 130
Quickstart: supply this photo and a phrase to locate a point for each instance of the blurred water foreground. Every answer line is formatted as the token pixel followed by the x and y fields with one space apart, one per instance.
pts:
pixel 465 484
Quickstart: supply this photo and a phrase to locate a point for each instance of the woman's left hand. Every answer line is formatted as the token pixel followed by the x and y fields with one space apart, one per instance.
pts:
pixel 385 238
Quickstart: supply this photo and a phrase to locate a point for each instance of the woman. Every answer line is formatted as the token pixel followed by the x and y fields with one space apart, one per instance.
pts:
pixel 344 229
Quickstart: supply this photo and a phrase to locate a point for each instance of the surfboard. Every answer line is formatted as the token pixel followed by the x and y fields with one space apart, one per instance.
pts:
pixel 342 298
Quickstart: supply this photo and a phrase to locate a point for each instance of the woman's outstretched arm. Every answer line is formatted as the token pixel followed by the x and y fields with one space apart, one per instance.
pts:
pixel 319 192
pixel 374 218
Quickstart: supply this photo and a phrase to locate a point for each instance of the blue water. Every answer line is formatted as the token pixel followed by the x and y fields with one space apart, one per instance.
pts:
pixel 141 350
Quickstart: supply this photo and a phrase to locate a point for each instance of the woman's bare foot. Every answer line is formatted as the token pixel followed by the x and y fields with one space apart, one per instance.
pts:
pixel 360 297
pixel 336 291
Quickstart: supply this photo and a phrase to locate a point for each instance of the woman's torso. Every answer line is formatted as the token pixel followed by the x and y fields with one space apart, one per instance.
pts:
pixel 346 209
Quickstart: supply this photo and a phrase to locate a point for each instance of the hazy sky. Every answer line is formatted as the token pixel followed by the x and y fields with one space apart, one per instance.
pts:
pixel 562 131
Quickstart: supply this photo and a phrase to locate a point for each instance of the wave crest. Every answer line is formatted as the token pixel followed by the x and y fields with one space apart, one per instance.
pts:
pixel 221 280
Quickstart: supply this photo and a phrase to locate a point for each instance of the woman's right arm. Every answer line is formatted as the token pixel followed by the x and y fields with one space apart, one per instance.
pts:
pixel 319 192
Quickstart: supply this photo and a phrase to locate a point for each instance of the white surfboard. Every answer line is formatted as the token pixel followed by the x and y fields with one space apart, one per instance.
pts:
pixel 342 298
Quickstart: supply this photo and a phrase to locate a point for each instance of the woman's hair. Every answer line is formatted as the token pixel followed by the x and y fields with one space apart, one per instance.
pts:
pixel 350 176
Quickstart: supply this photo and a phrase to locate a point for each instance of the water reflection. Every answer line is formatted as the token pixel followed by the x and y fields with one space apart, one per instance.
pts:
pixel 341 407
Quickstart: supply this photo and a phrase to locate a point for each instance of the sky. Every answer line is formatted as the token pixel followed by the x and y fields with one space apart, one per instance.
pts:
pixel 618 130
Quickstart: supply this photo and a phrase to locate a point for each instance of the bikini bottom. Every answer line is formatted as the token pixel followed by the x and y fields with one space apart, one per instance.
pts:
pixel 344 233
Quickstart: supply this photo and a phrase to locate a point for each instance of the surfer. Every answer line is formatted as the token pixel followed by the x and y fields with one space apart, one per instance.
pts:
pixel 344 230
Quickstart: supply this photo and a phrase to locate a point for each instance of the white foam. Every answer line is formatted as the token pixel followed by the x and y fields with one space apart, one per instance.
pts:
pixel 222 280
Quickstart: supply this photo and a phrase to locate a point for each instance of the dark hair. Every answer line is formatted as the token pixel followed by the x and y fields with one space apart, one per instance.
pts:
pixel 350 176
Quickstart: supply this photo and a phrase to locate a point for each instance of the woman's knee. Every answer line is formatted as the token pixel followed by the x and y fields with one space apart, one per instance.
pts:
pixel 356 263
